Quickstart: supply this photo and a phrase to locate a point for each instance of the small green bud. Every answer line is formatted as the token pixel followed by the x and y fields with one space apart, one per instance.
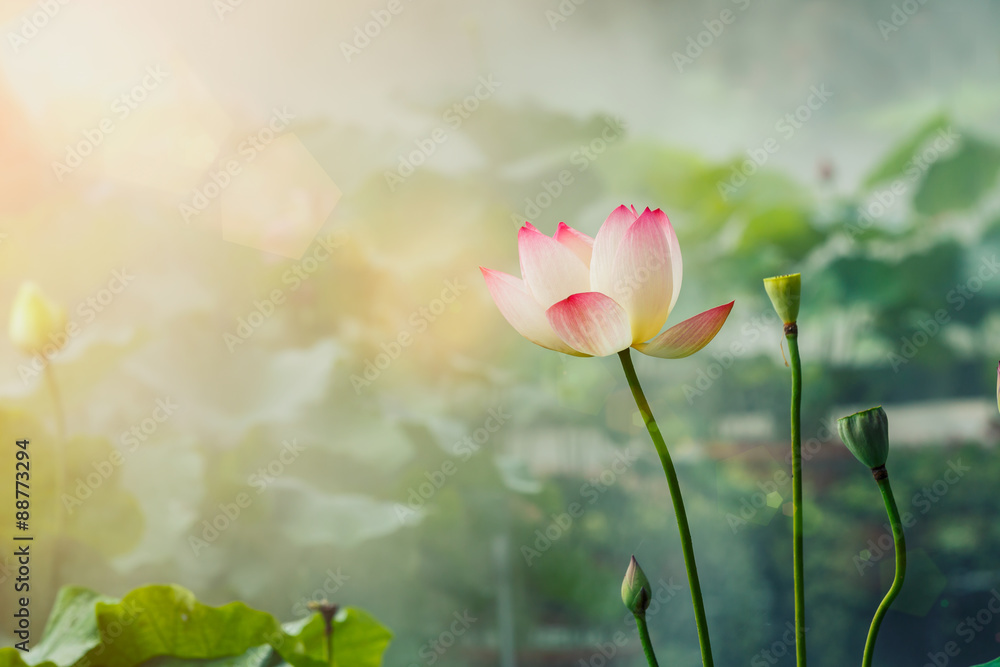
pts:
pixel 866 434
pixel 785 293
pixel 636 593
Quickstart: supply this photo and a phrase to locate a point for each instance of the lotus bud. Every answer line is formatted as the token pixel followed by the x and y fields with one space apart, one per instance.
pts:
pixel 866 434
pixel 636 592
pixel 35 321
pixel 785 293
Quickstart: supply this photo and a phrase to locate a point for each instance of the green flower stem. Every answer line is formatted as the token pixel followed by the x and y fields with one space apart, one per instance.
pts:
pixel 882 478
pixel 326 611
pixel 647 645
pixel 792 336
pixel 329 641
pixel 57 405
pixel 675 496
pixel 59 446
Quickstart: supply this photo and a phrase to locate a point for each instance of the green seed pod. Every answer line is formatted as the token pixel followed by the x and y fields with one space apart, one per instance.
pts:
pixel 785 293
pixel 866 434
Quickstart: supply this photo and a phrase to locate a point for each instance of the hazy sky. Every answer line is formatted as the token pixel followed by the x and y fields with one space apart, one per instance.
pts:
pixel 638 60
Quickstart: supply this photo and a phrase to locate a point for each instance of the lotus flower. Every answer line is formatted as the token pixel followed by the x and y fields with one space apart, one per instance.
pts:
pixel 597 296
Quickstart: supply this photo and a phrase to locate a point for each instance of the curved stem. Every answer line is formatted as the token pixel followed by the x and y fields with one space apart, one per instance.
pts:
pixel 675 495
pixel 797 557
pixel 899 543
pixel 647 645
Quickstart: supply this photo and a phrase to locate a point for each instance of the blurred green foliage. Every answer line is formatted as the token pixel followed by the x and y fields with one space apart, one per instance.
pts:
pixel 367 512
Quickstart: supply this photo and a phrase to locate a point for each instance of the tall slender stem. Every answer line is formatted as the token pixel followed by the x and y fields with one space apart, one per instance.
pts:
pixel 59 445
pixel 792 335
pixel 57 405
pixel 675 495
pixel 647 645
pixel 899 542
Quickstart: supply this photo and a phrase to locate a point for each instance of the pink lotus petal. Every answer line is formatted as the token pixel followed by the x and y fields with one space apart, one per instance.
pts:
pixel 675 254
pixel 642 275
pixel 581 244
pixel 606 243
pixel 520 309
pixel 592 323
pixel 686 338
pixel 551 270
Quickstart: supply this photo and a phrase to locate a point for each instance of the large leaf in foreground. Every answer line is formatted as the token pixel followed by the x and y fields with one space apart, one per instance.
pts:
pixel 255 657
pixel 11 657
pixel 358 641
pixel 167 626
pixel 71 631
pixel 168 621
